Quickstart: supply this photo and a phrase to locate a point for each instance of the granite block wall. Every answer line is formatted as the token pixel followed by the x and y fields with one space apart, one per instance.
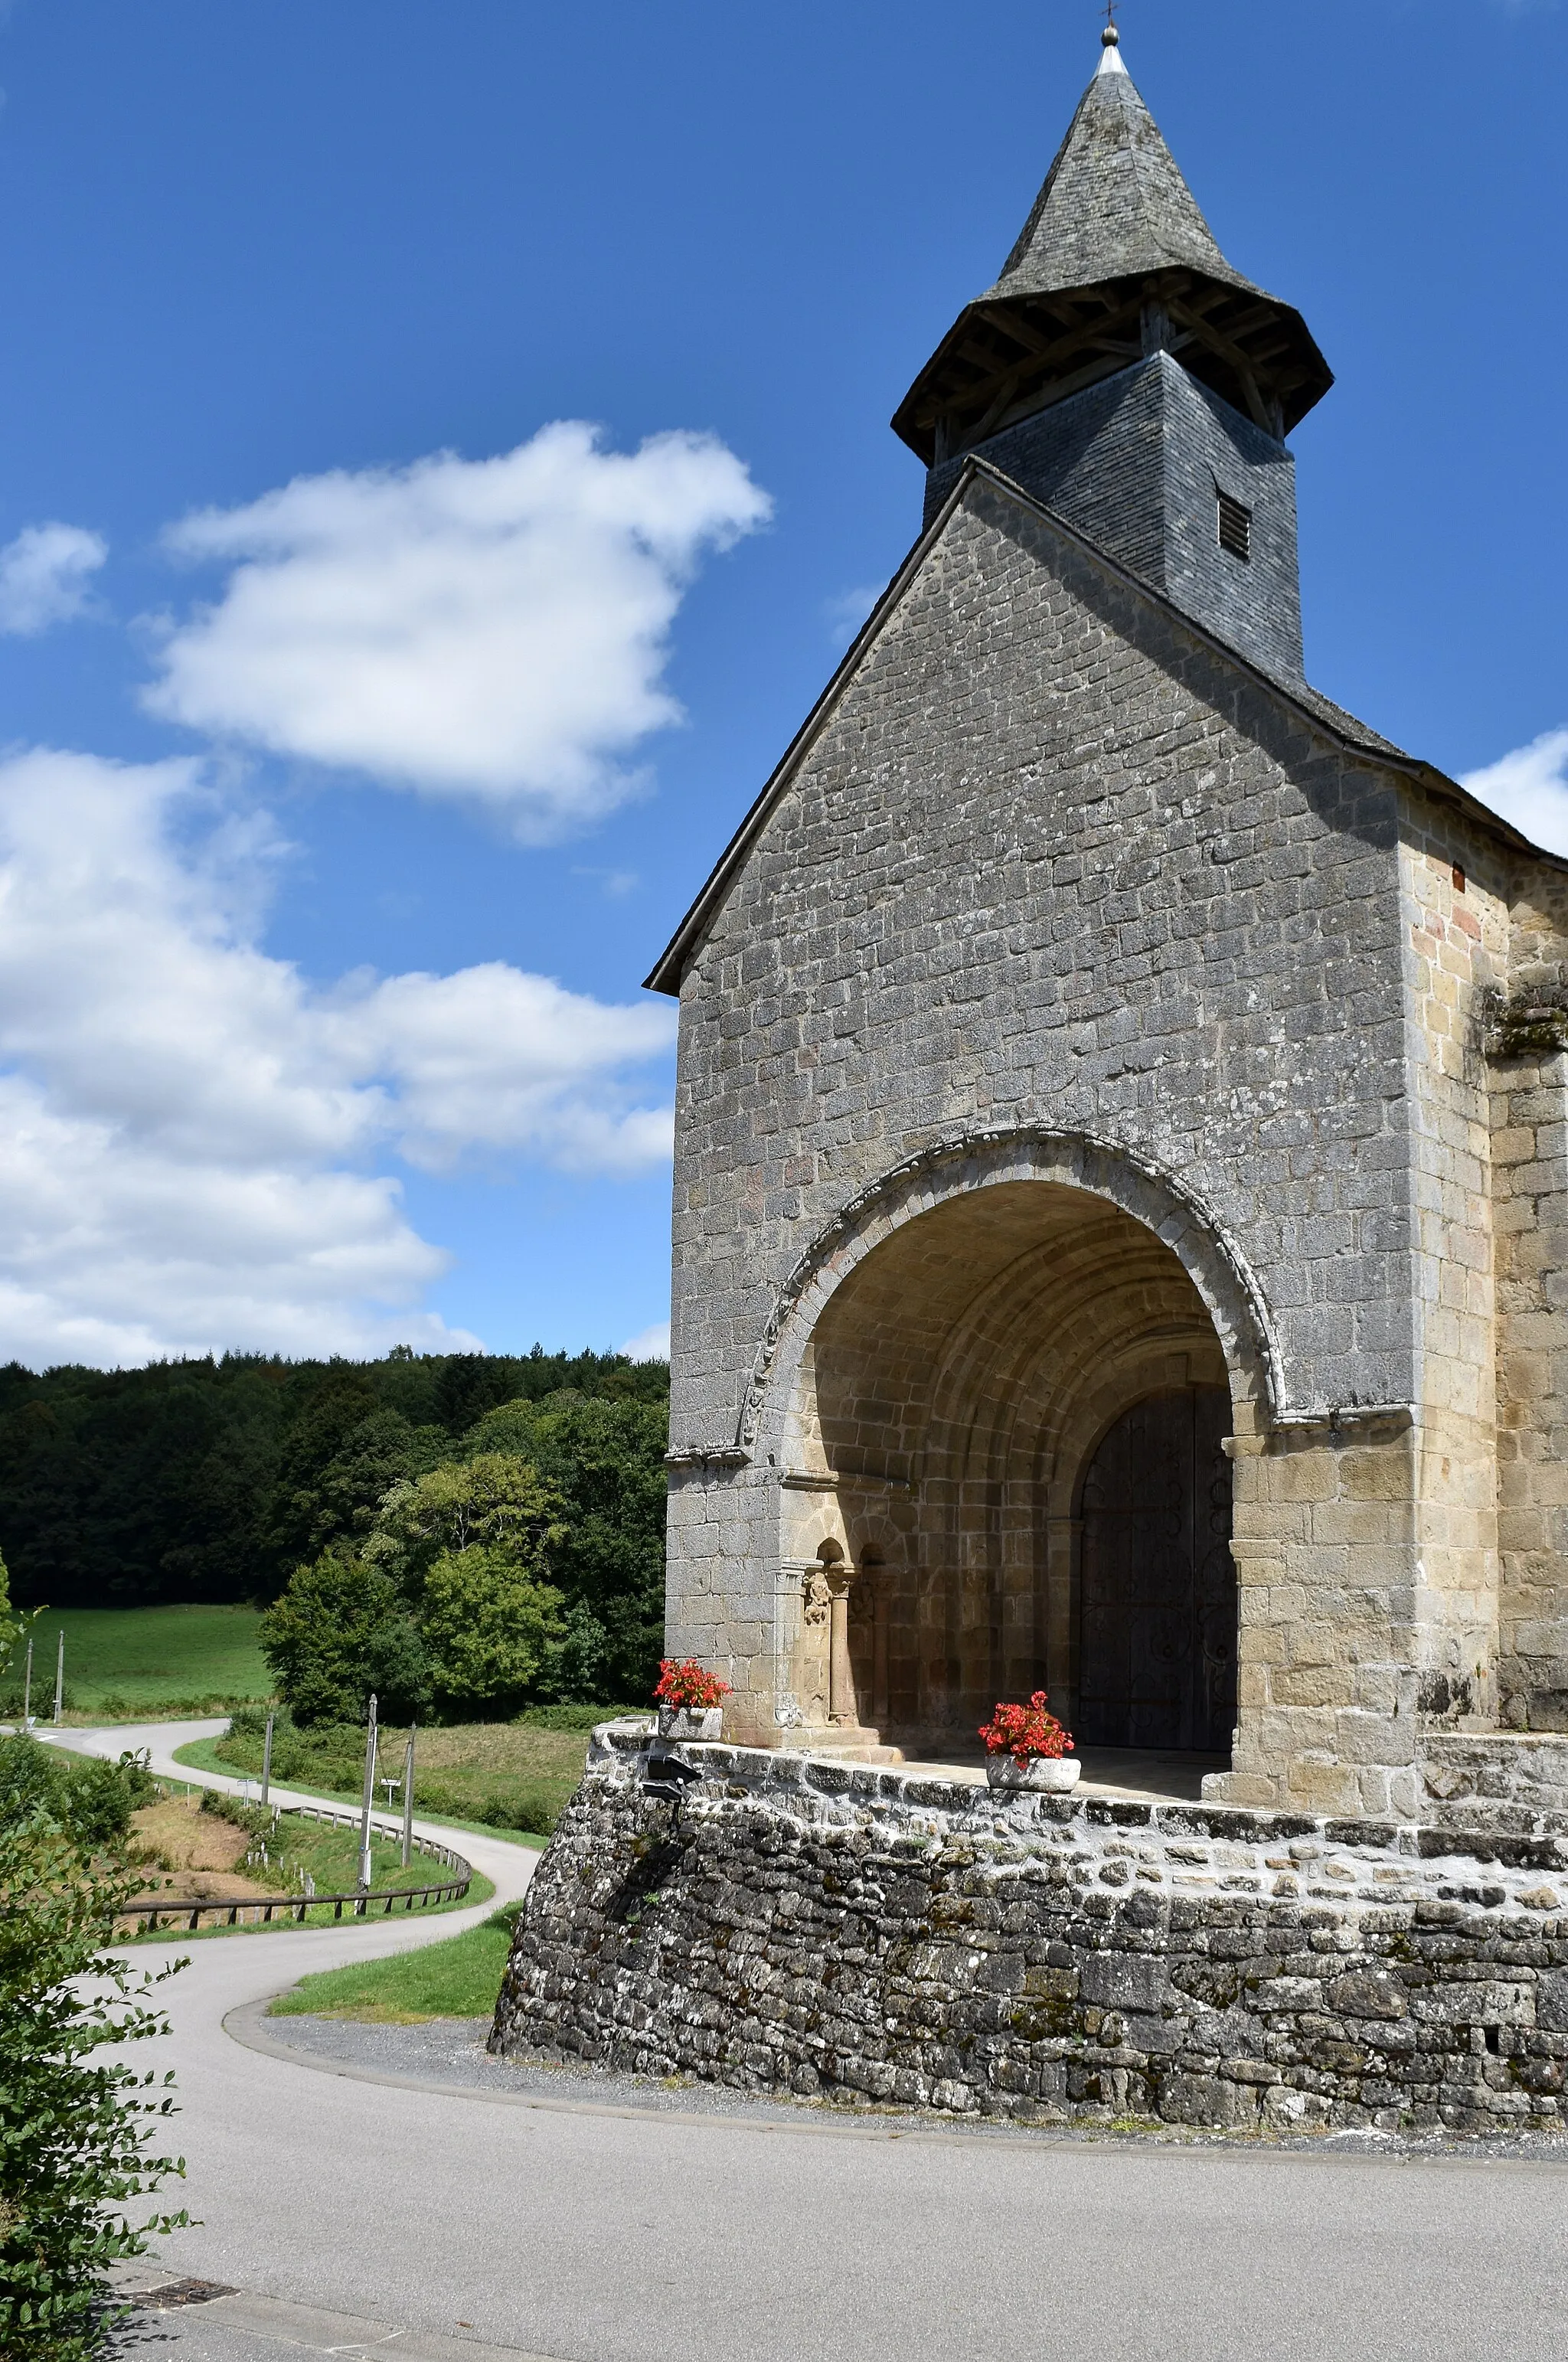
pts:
pixel 872 1937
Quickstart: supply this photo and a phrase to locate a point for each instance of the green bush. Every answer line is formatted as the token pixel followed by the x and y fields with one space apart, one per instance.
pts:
pixel 73 2133
pixel 532 1807
pixel 90 1798
pixel 340 1631
pixel 14 1697
pixel 112 1706
pixel 484 1623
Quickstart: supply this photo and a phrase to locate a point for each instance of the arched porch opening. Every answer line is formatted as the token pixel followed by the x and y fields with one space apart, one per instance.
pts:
pixel 988 1416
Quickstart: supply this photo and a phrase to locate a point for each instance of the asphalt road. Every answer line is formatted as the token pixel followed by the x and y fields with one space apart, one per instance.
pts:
pixel 356 2216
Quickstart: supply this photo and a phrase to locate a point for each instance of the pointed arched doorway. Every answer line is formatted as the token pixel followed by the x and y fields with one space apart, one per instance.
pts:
pixel 1157 1591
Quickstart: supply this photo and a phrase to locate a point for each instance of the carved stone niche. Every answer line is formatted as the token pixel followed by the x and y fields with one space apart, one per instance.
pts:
pixel 823 1683
pixel 823 1678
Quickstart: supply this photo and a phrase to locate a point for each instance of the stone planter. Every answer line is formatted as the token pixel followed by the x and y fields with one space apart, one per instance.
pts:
pixel 690 1721
pixel 1044 1775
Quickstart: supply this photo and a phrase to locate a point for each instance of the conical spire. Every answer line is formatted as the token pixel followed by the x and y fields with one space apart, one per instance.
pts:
pixel 1114 204
pixel 1115 262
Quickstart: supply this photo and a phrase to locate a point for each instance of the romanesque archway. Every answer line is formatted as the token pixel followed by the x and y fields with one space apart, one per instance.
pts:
pixel 960 1414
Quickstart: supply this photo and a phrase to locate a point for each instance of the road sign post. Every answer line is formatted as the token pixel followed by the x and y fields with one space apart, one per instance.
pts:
pixel 28 1690
pixel 267 1761
pixel 408 1799
pixel 370 1796
pixel 60 1679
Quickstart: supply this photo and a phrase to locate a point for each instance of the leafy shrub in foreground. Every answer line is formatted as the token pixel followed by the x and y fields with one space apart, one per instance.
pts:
pixel 73 2133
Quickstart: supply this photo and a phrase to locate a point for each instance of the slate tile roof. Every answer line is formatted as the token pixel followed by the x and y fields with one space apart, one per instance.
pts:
pixel 1114 204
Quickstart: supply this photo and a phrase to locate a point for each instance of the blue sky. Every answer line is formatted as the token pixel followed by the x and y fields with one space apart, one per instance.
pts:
pixel 367 740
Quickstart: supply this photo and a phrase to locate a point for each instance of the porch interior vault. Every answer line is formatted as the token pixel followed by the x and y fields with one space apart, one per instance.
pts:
pixel 951 1405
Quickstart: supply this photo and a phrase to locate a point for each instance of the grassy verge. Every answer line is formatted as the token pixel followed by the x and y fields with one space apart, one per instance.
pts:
pixel 457 1979
pixel 202 1755
pixel 479 1891
pixel 126 1664
pixel 507 1776
pixel 184 1843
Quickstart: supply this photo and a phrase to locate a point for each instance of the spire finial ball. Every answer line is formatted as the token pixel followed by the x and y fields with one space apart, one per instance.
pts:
pixel 1111 39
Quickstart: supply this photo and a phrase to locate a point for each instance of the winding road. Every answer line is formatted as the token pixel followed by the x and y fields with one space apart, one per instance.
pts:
pixel 356 2216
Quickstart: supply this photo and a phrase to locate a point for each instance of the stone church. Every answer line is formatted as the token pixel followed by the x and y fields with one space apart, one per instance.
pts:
pixel 1121 1177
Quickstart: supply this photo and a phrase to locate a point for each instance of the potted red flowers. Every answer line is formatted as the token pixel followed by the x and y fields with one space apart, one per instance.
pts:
pixel 1026 1747
pixel 689 1700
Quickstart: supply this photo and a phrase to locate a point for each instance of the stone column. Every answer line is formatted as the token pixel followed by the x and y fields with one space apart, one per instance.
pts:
pixel 841 1673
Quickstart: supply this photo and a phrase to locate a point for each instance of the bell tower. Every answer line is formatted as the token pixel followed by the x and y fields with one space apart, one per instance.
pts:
pixel 1123 373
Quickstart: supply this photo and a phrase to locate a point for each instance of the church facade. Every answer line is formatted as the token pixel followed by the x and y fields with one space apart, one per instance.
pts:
pixel 1120 1235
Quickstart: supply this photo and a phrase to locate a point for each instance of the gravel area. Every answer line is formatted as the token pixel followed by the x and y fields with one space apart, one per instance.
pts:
pixel 450 2052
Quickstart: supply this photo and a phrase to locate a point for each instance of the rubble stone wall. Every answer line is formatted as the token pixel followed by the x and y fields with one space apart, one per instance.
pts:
pixel 868 1935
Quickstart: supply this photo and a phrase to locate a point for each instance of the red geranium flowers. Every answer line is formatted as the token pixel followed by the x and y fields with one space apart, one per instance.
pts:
pixel 689 1684
pixel 1026 1732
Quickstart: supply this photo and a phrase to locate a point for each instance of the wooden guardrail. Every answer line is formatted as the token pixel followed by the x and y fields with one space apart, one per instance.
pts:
pixel 188 1911
pixel 232 1911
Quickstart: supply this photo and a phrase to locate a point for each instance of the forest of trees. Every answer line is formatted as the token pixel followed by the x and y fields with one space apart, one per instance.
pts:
pixel 217 1480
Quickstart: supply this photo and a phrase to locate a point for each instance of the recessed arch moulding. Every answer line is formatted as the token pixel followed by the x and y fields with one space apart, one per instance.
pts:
pixel 895 1536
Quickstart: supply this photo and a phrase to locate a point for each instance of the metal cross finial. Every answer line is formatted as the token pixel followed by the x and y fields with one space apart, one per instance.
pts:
pixel 1110 37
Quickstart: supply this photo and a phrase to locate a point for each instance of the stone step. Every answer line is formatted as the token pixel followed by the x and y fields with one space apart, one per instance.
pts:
pixel 844 1743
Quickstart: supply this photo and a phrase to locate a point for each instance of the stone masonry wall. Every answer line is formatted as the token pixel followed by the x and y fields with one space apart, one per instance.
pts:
pixel 1529 1151
pixel 873 1936
pixel 1051 861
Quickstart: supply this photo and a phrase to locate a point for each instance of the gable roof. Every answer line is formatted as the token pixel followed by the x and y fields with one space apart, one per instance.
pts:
pixel 1353 736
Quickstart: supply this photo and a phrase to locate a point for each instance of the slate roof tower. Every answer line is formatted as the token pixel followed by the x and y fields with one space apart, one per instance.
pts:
pixel 1123 371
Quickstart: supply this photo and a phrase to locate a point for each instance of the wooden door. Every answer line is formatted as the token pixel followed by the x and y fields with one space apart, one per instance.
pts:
pixel 1157 1629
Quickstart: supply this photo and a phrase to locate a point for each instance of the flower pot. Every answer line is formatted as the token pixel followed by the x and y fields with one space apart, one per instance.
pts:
pixel 1042 1776
pixel 691 1722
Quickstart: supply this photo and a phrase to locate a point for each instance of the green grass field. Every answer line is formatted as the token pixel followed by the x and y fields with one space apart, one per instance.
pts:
pixel 205 1755
pixel 460 1978
pixel 506 1776
pixel 126 1663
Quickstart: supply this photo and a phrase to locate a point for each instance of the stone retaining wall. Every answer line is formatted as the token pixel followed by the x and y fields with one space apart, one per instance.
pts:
pixel 878 1936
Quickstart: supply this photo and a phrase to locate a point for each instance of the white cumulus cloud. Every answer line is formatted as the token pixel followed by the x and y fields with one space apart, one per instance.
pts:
pixel 847 609
pixel 494 631
pixel 649 1345
pixel 190 1130
pixel 46 575
pixel 1529 788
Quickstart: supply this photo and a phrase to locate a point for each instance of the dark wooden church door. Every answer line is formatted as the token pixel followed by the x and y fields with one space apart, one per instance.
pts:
pixel 1157 1635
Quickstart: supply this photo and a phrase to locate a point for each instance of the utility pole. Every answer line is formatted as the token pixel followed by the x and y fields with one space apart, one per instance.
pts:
pixel 60 1679
pixel 267 1761
pixel 28 1690
pixel 369 1792
pixel 408 1798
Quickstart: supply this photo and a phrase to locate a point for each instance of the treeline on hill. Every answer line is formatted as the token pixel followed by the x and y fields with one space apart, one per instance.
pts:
pixel 232 1479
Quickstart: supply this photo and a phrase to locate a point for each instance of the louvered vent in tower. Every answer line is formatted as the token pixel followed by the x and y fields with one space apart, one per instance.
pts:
pixel 1235 528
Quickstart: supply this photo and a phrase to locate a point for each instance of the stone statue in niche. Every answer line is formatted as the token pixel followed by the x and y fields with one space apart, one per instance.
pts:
pixel 825 1680
pixel 812 1679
